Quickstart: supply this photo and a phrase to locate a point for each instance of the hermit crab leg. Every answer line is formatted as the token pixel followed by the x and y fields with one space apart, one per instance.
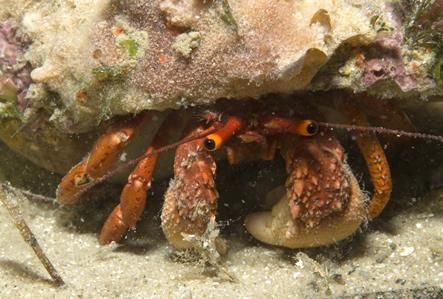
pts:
pixel 133 197
pixel 72 184
pixel 103 156
pixel 375 160
pixel 191 199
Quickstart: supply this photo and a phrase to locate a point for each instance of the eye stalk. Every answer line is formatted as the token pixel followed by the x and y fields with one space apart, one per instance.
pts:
pixel 215 141
pixel 305 127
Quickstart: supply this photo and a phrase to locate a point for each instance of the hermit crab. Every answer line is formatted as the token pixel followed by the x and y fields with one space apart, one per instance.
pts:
pixel 322 204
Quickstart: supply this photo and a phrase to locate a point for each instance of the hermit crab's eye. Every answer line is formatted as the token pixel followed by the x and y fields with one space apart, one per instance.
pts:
pixel 311 127
pixel 212 142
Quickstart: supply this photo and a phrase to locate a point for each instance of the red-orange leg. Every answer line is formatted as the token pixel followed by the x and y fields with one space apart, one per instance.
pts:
pixel 103 156
pixel 375 160
pixel 191 199
pixel 133 197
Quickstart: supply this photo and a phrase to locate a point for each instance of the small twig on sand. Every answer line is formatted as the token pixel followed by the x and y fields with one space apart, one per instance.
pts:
pixel 27 235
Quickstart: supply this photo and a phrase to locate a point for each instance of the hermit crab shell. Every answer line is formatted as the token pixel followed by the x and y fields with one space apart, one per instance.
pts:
pixel 104 58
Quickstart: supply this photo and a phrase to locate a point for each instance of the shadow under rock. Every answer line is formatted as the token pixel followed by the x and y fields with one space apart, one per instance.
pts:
pixel 29 177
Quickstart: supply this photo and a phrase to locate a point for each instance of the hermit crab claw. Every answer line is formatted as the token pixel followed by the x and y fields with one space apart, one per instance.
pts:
pixel 321 202
pixel 276 227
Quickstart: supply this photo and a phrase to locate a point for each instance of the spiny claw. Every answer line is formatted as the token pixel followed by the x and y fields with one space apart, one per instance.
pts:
pixel 317 184
pixel 322 203
pixel 191 199
pixel 277 227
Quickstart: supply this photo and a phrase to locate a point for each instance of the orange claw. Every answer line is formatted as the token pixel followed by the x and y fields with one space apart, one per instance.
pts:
pixel 375 160
pixel 134 194
pixel 72 184
pixel 108 147
pixel 104 154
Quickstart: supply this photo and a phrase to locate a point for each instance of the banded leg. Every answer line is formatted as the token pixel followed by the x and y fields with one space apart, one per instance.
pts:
pixel 103 156
pixel 375 160
pixel 133 197
pixel 191 199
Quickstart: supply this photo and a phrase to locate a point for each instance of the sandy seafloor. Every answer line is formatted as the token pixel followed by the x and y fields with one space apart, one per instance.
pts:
pixel 399 255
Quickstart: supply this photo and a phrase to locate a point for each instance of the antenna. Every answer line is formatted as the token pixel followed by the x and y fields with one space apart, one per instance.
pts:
pixel 381 130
